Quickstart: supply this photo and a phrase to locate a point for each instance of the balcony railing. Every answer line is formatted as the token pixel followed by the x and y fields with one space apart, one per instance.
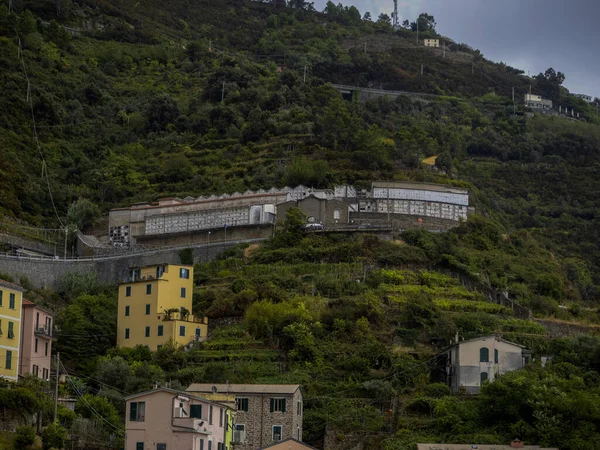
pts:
pixel 43 331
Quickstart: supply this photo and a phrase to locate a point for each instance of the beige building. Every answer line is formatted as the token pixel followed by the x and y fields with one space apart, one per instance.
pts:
pixel 36 340
pixel 471 363
pixel 265 413
pixel 165 419
pixel 431 42
pixel 537 102
pixel 289 444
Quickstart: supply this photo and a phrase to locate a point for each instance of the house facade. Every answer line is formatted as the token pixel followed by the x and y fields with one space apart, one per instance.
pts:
pixel 329 212
pixel 11 300
pixel 265 413
pixel 471 363
pixel 431 42
pixel 155 304
pixel 537 101
pixel 36 340
pixel 165 419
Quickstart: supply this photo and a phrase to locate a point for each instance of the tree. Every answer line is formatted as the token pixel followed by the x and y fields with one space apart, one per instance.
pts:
pixel 91 406
pixel 385 19
pixel 406 24
pixel 549 83
pixel 424 23
pixel 82 213
pixel 367 17
pixel 161 112
pixel 53 436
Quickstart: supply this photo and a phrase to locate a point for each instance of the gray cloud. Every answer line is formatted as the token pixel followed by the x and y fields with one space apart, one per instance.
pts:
pixel 528 34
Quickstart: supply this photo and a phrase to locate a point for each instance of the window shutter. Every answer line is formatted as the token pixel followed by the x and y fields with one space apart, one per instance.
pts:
pixel 272 404
pixel 283 405
pixel 133 411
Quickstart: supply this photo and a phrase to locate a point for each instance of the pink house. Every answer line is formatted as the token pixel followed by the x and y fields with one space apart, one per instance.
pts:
pixel 36 340
pixel 165 419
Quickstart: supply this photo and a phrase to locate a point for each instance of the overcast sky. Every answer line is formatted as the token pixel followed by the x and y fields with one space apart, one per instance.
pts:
pixel 531 35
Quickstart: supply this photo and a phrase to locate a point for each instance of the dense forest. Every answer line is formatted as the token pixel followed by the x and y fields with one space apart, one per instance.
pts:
pixel 107 103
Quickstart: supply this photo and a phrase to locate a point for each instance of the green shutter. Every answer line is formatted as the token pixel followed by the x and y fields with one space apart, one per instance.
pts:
pixel 0 298
pixel 272 404
pixel 283 405
pixel 196 411
pixel 133 411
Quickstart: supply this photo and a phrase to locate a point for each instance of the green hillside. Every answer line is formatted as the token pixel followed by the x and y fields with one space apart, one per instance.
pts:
pixel 135 100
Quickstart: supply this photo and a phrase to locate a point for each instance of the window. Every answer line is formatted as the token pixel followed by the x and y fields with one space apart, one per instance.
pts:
pixel 148 289
pixel 495 356
pixel 128 294
pixel 239 433
pixel 147 331
pixel 241 404
pixel 148 309
pixel 160 330
pixel 137 411
pixel 220 417
pixel 8 362
pixel 45 374
pixel 484 376
pixel 183 292
pixel 198 332
pixel 126 311
pixel 484 354
pixel 139 446
pixel 182 330
pixel 1 298
pixel 37 320
pixel 11 301
pixel 159 271
pixel 36 345
pixel 210 410
pixel 46 351
pixel 161 446
pixel 126 333
pixel 299 408
pixel 201 444
pixel 209 445
pixel 298 434
pixel 196 411
pixel 35 370
pixel 11 331
pixel 277 433
pixel 336 214
pixel 278 405
pixel 184 273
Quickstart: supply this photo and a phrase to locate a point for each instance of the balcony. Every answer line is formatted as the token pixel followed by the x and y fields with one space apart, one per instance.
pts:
pixel 183 317
pixel 192 424
pixel 43 332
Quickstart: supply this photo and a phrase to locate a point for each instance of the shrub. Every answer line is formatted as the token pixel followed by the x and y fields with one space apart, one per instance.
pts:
pixel 25 436
pixel 437 390
pixel 53 436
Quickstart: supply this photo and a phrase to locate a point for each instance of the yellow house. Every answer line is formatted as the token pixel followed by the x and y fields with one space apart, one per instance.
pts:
pixel 155 304
pixel 11 300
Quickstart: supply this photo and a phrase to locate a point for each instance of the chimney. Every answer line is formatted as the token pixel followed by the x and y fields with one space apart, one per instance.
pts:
pixel 516 443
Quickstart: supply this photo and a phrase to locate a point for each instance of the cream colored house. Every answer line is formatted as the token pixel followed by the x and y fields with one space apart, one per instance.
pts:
pixel 432 43
pixel 471 363
pixel 165 419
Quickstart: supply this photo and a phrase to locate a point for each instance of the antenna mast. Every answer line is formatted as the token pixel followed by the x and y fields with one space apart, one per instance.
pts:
pixel 396 22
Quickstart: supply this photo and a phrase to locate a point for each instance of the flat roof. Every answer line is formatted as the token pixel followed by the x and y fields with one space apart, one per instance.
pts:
pixel 478 447
pixel 244 388
pixel 417 185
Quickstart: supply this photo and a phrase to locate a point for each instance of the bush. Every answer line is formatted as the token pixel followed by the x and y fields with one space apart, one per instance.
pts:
pixel 53 436
pixel 437 390
pixel 25 437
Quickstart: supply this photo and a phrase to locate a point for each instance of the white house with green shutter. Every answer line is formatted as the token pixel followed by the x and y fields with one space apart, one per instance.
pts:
pixel 471 363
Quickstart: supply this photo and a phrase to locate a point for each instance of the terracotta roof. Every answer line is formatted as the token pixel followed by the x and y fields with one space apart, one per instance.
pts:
pixel 289 440
pixel 27 302
pixel 244 388
pixel 9 285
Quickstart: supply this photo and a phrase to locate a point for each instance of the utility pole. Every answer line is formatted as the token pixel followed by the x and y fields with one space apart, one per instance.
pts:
pixel 514 104
pixel 417 31
pixel 56 385
pixel 66 234
pixel 365 46
pixel 223 92
pixel 444 46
